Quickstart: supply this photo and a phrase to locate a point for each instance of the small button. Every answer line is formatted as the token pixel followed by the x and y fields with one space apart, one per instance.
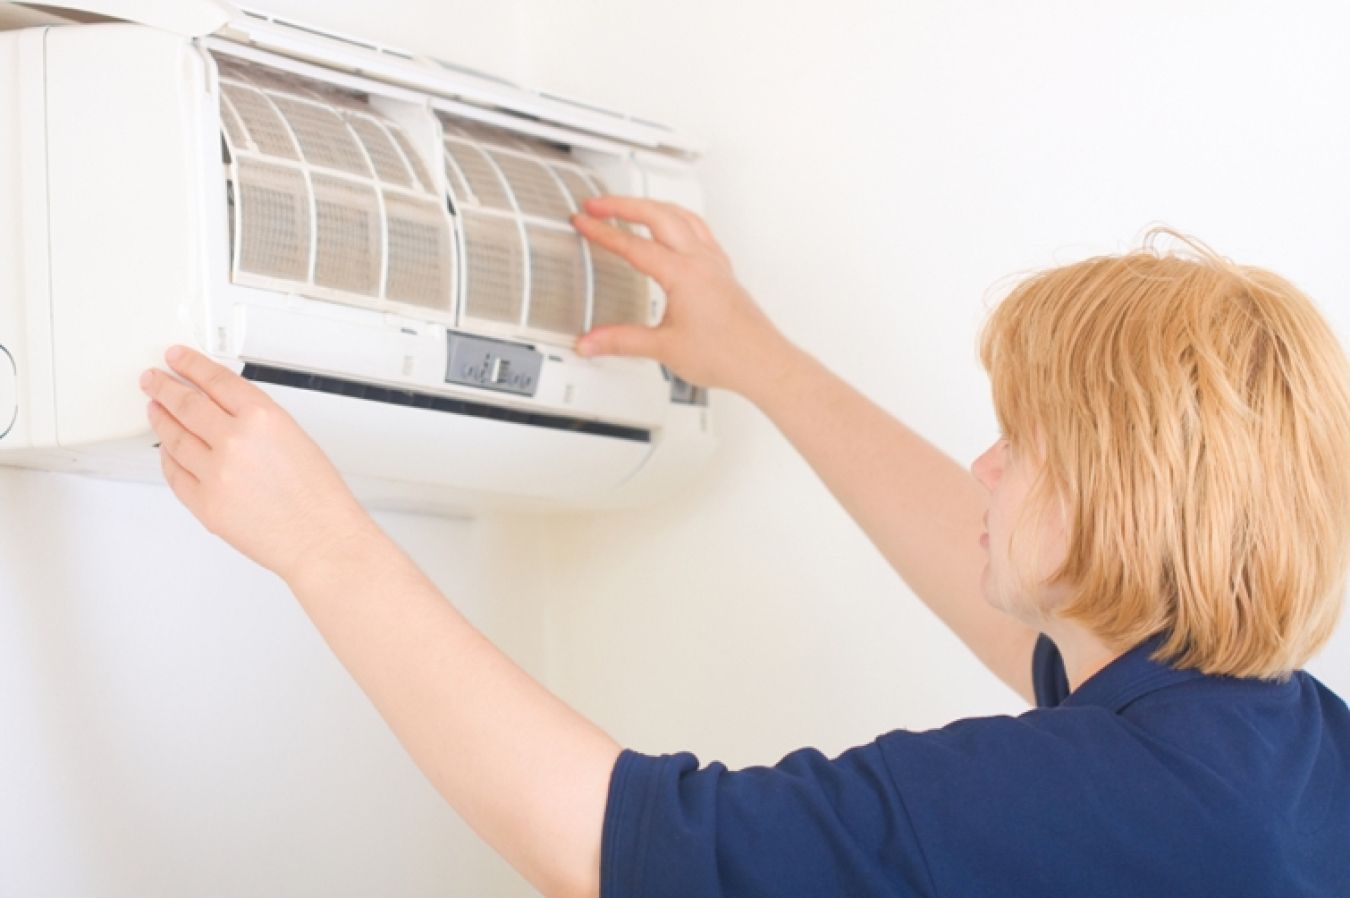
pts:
pixel 9 392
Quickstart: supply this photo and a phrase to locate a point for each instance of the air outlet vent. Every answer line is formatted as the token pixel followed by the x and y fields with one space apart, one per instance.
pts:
pixel 302 381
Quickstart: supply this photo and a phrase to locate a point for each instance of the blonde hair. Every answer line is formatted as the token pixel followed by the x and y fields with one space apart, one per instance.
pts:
pixel 1192 420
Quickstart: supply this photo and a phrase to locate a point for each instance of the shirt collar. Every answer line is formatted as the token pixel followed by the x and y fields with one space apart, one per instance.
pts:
pixel 1129 678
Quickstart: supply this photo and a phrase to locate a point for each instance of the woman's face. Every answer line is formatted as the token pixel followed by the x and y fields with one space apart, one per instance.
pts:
pixel 1008 473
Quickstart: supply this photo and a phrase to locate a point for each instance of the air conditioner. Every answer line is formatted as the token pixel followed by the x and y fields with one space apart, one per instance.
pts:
pixel 378 239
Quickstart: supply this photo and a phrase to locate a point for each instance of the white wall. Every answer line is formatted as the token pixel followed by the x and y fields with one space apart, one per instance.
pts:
pixel 172 724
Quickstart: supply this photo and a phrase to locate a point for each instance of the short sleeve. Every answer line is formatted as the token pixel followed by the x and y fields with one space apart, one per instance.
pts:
pixel 808 826
pixel 1048 677
pixel 1060 801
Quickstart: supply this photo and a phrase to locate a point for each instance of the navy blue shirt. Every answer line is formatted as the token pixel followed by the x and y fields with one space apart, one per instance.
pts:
pixel 1145 781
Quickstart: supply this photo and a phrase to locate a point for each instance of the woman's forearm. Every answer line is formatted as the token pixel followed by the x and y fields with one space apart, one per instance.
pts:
pixel 527 773
pixel 920 508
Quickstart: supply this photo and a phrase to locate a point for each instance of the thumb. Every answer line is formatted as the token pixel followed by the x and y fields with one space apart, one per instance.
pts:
pixel 620 339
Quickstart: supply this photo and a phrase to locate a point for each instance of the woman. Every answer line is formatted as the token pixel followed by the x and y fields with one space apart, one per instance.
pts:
pixel 1169 507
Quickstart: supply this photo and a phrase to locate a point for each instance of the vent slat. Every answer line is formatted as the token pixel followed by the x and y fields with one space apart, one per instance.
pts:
pixel 303 381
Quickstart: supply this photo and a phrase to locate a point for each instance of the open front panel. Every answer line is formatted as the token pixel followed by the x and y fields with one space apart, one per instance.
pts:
pixel 525 265
pixel 328 198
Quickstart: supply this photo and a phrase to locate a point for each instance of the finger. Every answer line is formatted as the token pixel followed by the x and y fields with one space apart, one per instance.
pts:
pixel 195 410
pixel 230 391
pixel 621 339
pixel 179 479
pixel 667 226
pixel 646 256
pixel 190 453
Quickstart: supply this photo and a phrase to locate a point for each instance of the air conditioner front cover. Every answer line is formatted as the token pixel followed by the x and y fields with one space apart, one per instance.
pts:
pixel 397 268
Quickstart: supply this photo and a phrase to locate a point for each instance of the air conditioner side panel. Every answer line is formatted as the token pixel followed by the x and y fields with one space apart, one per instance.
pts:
pixel 670 179
pixel 125 205
pixel 687 441
pixel 25 319
pixel 11 210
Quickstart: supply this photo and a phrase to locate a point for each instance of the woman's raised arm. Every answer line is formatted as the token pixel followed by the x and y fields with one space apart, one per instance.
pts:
pixel 917 505
pixel 528 773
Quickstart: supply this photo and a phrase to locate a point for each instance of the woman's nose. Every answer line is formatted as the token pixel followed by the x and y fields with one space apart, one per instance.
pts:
pixel 988 468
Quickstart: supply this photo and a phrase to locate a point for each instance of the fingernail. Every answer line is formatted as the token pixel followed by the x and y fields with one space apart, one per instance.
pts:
pixel 585 349
pixel 174 354
pixel 146 377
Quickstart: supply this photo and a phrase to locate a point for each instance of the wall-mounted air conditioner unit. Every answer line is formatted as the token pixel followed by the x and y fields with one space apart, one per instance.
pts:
pixel 380 240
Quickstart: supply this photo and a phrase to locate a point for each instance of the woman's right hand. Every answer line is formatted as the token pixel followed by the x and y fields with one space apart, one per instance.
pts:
pixel 713 334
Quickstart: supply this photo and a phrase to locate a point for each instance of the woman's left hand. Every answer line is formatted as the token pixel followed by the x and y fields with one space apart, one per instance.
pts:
pixel 243 466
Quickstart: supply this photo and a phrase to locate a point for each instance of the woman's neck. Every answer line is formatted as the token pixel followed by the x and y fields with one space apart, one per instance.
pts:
pixel 1083 653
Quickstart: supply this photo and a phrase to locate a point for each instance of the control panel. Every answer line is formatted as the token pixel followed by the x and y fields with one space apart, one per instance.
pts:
pixel 683 392
pixel 493 364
